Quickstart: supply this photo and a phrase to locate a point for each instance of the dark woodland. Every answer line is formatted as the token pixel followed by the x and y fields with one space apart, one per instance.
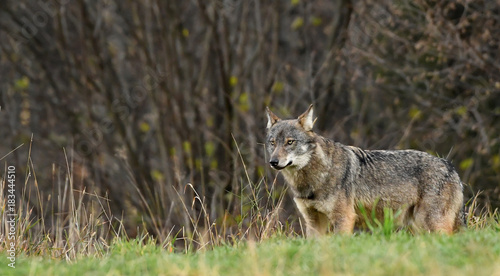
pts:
pixel 157 108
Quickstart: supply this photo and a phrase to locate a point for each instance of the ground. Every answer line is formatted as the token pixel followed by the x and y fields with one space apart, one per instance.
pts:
pixel 468 252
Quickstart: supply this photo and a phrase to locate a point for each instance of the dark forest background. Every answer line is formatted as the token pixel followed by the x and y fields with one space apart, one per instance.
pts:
pixel 156 104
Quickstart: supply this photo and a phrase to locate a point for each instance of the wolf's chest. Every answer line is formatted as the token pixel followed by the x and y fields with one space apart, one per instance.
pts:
pixel 304 192
pixel 303 186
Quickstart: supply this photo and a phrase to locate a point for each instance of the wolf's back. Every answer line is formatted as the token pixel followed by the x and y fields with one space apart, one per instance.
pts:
pixel 410 178
pixel 415 170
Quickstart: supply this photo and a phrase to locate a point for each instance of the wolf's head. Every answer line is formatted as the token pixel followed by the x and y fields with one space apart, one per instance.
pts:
pixel 290 143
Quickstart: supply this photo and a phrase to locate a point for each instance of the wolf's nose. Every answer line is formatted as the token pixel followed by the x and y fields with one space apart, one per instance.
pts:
pixel 274 162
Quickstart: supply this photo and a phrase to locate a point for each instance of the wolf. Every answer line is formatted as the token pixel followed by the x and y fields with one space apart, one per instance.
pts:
pixel 332 183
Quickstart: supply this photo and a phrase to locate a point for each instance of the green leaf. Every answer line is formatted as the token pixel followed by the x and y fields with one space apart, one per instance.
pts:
pixel 198 164
pixel 22 83
pixel 144 127
pixel 209 148
pixel 214 164
pixel 261 171
pixel 415 113
pixel 209 121
pixel 157 175
pixel 243 101
pixel 297 23
pixel 316 21
pixel 233 81
pixel 461 110
pixel 277 87
pixel 467 163
pixel 186 145
pixel 495 160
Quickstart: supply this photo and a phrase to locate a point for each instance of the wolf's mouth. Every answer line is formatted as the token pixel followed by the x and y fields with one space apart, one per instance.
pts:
pixel 278 167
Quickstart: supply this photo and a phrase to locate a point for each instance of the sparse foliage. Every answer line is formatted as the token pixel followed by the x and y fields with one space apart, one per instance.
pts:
pixel 160 104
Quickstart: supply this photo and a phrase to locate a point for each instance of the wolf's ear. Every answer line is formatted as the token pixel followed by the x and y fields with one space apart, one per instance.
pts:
pixel 271 118
pixel 306 119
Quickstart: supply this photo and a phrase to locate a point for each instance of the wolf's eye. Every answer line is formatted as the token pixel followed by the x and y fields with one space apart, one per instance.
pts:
pixel 290 142
pixel 272 142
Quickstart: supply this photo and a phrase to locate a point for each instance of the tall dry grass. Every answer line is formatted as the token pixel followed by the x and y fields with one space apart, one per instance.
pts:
pixel 72 223
pixel 76 223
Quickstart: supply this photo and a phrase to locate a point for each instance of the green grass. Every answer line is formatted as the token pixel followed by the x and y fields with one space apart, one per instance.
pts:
pixel 84 238
pixel 471 252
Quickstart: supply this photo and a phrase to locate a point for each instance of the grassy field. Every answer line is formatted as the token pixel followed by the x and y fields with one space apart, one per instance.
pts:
pixel 469 252
pixel 79 239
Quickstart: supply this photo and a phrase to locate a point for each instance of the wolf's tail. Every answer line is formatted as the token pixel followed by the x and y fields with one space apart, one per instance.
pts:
pixel 461 219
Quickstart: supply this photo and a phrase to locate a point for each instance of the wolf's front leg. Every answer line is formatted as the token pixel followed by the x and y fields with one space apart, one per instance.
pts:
pixel 316 222
pixel 317 225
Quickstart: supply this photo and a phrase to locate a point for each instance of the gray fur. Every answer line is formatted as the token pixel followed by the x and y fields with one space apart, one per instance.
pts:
pixel 330 180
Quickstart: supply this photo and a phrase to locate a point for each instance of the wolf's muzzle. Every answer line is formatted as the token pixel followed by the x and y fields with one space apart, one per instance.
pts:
pixel 275 164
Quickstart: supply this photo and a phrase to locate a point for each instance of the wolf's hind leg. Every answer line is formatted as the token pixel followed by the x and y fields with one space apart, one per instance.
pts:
pixel 430 221
pixel 434 218
pixel 438 212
